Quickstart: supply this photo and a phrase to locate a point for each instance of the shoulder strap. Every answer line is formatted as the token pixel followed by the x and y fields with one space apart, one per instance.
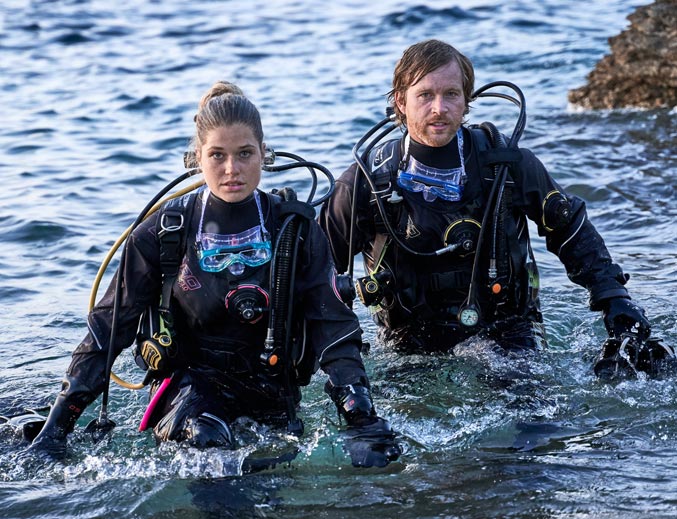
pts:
pixel 489 155
pixel 283 203
pixel 384 163
pixel 171 231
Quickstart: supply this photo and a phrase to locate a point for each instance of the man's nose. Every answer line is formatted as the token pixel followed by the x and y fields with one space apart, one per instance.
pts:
pixel 439 106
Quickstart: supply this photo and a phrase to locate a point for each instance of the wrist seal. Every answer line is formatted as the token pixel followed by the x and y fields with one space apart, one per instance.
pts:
pixel 354 403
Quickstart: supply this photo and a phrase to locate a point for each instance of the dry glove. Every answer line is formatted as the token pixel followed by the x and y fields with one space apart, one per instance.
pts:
pixel 621 315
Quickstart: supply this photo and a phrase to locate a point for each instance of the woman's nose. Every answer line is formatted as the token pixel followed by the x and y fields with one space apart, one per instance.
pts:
pixel 230 166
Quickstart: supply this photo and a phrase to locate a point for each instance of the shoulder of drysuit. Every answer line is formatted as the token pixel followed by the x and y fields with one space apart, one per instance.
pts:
pixel 527 173
pixel 532 181
pixel 145 236
pixel 283 208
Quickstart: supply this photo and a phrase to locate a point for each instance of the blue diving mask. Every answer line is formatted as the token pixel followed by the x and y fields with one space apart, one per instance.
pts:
pixel 446 184
pixel 218 252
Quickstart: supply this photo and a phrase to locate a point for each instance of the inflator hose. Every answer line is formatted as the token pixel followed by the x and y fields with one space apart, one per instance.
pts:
pixel 282 280
pixel 150 208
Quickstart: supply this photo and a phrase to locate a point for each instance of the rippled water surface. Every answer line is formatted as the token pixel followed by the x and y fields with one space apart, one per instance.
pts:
pixel 97 104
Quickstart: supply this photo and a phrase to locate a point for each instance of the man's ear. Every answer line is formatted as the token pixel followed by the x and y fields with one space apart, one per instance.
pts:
pixel 400 101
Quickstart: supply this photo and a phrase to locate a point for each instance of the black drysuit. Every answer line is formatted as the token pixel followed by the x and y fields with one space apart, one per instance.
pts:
pixel 218 353
pixel 423 299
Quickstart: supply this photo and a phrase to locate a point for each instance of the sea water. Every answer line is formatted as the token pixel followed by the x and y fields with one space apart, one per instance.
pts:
pixel 97 105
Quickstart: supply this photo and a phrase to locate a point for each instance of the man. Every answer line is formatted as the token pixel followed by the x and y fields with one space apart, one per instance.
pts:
pixel 445 241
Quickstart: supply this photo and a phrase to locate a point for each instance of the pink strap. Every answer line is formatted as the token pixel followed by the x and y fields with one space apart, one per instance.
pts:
pixel 153 402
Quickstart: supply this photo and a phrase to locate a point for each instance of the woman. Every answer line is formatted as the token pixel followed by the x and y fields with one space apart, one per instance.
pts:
pixel 217 305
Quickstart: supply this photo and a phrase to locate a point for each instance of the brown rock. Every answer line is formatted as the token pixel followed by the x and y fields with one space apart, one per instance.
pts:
pixel 641 70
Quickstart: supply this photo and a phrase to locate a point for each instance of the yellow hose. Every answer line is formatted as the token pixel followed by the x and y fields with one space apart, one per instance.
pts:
pixel 109 257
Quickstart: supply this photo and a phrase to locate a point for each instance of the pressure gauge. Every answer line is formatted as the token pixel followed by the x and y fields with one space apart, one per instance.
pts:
pixel 469 316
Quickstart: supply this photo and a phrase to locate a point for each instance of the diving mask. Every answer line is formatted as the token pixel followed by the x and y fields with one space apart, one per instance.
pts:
pixel 218 252
pixel 446 184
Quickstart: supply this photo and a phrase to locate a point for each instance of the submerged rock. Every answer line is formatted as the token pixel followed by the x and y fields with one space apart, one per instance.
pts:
pixel 641 70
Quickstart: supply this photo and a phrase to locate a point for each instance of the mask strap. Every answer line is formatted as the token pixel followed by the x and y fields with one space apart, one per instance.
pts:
pixel 459 138
pixel 405 156
pixel 264 231
pixel 205 196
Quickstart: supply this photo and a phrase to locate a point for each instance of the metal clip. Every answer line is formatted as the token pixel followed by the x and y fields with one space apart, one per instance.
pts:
pixel 166 227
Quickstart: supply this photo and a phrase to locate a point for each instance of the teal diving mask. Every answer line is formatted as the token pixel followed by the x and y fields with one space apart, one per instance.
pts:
pixel 250 248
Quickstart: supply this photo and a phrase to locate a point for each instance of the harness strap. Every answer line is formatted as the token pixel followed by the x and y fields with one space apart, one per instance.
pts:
pixel 171 230
pixel 494 156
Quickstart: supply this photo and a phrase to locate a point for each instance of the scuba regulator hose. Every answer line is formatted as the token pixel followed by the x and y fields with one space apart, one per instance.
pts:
pixel 278 343
pixel 282 279
pixel 469 312
pixel 101 425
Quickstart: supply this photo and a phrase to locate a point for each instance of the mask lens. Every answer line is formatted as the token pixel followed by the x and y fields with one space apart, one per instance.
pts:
pixel 450 192
pixel 407 181
pixel 257 255
pixel 235 258
pixel 432 182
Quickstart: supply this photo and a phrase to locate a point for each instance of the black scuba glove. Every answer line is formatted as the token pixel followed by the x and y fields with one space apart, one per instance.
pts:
pixel 369 440
pixel 621 315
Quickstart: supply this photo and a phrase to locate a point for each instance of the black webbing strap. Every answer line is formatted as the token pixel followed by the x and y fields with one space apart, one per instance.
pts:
pixel 170 233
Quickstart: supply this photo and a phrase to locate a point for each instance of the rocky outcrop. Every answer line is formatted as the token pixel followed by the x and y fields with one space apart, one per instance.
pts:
pixel 641 70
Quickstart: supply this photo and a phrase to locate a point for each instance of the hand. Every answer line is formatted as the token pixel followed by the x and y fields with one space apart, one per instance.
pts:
pixel 621 315
pixel 371 445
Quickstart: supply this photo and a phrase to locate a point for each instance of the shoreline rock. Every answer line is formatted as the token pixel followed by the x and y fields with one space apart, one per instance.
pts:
pixel 641 70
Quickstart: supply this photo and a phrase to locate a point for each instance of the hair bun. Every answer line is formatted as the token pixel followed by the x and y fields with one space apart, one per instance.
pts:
pixel 220 88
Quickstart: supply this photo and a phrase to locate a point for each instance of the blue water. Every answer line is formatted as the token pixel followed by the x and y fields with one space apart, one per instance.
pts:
pixel 97 102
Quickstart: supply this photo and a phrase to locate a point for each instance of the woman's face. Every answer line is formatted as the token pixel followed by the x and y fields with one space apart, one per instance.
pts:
pixel 230 158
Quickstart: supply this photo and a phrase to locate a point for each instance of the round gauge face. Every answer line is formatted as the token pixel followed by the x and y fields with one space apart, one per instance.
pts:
pixel 469 317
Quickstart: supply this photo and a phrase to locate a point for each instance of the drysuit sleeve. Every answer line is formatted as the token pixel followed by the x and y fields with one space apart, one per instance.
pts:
pixel 141 285
pixel 332 329
pixel 86 376
pixel 335 219
pixel 562 218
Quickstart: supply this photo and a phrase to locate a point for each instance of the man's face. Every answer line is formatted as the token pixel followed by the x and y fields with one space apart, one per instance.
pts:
pixel 434 107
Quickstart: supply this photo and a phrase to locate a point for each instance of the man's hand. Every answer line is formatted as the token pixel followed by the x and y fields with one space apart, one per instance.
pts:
pixel 621 316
